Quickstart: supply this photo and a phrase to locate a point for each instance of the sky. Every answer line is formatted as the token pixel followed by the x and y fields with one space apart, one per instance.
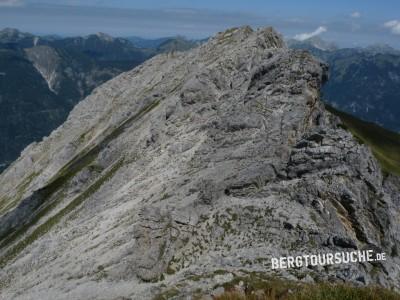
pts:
pixel 349 23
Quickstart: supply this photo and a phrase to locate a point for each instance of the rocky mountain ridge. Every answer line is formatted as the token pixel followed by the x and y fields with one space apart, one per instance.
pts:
pixel 189 170
pixel 363 81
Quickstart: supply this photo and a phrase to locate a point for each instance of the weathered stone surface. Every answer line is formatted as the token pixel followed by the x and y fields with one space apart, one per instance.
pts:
pixel 190 168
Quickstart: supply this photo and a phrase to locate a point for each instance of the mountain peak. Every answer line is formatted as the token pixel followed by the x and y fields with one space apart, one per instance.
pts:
pixel 9 30
pixel 200 164
pixel 382 48
pixel 264 37
pixel 13 33
pixel 322 44
pixel 105 37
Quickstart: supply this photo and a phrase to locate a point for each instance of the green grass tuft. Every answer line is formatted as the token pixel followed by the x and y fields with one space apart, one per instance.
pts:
pixel 52 221
pixel 258 287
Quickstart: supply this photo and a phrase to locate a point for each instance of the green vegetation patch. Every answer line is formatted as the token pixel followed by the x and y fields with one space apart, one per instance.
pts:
pixel 55 188
pixel 46 226
pixel 169 294
pixel 385 144
pixel 8 203
pixel 258 287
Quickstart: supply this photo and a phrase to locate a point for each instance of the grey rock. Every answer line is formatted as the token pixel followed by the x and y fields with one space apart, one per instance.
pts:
pixel 201 164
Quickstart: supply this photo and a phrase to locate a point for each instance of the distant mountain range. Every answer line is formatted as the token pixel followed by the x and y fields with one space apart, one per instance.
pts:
pixel 312 44
pixel 161 45
pixel 363 81
pixel 147 43
pixel 43 77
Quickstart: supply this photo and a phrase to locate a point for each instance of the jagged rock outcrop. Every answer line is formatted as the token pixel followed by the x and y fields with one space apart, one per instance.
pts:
pixel 189 169
pixel 363 81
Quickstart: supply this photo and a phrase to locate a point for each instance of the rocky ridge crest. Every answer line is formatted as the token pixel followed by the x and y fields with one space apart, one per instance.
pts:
pixel 189 168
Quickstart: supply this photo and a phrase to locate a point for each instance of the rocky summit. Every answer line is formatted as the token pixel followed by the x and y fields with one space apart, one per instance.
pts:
pixel 187 172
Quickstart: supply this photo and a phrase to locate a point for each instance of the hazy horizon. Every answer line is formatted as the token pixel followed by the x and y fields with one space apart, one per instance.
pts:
pixel 347 23
pixel 187 38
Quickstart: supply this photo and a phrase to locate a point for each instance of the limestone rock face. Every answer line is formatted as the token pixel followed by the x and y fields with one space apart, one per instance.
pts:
pixel 199 163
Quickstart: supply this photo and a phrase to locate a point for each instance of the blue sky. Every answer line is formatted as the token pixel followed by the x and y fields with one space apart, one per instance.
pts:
pixel 349 23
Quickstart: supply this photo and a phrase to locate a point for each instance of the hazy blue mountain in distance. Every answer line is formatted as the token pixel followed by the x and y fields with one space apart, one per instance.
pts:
pixel 42 78
pixel 382 49
pixel 177 44
pixel 147 43
pixel 104 48
pixel 12 37
pixel 363 81
pixel 28 108
pixel 166 44
pixel 312 43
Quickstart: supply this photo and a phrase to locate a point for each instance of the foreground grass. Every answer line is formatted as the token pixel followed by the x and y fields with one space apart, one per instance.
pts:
pixel 317 292
pixel 259 288
pixel 384 144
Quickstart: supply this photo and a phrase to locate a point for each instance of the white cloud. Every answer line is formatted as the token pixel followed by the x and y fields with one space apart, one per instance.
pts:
pixel 305 36
pixel 10 3
pixel 355 15
pixel 393 25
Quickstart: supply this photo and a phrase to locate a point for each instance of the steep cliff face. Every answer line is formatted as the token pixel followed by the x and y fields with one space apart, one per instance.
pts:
pixel 188 170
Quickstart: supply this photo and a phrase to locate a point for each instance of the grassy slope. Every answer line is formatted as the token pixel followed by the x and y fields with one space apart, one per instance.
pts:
pixel 384 144
pixel 259 286
pixel 313 292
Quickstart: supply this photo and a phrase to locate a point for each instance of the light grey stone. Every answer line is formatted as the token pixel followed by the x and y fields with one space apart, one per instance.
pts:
pixel 191 166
